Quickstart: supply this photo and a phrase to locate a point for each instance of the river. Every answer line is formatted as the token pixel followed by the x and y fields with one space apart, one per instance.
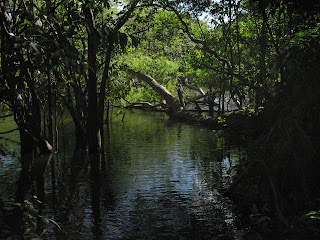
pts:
pixel 158 179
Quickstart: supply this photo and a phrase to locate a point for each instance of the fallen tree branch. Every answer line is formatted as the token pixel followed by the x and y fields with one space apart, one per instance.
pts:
pixel 172 102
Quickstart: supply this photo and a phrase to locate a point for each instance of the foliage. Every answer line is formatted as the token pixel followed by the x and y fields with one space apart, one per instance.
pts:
pixel 314 214
pixel 31 218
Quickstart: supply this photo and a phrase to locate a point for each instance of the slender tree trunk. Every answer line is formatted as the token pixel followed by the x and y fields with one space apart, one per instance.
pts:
pixel 105 84
pixel 56 130
pixel 78 119
pixel 261 92
pixel 241 91
pixel 30 134
pixel 50 106
pixel 180 95
pixel 223 90
pixel 44 122
pixel 27 142
pixel 94 140
pixel 211 104
pixel 108 112
pixel 29 119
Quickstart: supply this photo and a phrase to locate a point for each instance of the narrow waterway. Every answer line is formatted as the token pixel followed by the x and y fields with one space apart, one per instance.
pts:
pixel 158 179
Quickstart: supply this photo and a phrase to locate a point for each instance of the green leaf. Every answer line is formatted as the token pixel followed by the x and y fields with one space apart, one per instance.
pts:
pixel 26 85
pixel 43 233
pixel 28 215
pixel 26 21
pixel 46 220
pixel 221 120
pixel 55 223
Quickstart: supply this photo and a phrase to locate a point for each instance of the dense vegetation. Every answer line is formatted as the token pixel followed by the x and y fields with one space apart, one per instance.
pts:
pixel 82 57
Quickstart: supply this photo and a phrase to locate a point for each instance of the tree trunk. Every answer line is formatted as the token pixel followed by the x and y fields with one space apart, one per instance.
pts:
pixel 31 136
pixel 94 141
pixel 105 83
pixel 179 89
pixel 50 106
pixel 77 117
pixel 260 92
pixel 28 119
pixel 211 104
pixel 173 103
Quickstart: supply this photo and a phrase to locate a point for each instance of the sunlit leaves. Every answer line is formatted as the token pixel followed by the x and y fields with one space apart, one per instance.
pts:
pixel 313 214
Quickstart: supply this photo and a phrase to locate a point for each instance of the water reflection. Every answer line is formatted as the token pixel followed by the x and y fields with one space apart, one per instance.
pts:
pixel 95 185
pixel 157 180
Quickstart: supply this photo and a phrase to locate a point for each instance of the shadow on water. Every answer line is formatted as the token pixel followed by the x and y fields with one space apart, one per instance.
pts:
pixel 21 214
pixel 156 180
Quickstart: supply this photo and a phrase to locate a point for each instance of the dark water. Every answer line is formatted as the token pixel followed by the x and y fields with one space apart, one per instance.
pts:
pixel 157 180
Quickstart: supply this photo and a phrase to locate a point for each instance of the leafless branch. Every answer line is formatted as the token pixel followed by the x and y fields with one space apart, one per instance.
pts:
pixel 8 115
pixel 9 131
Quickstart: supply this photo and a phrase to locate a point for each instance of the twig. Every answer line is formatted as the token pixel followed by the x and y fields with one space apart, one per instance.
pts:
pixel 9 131
pixel 8 115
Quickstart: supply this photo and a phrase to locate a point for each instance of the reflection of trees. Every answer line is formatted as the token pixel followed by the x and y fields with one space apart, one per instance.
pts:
pixel 206 156
pixel 72 193
pixel 30 183
pixel 210 153
pixel 149 135
pixel 85 193
pixel 95 187
pixel 213 154
pixel 77 186
pixel 32 173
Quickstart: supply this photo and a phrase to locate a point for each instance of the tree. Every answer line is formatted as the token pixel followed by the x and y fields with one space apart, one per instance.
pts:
pixel 94 138
pixel 20 65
